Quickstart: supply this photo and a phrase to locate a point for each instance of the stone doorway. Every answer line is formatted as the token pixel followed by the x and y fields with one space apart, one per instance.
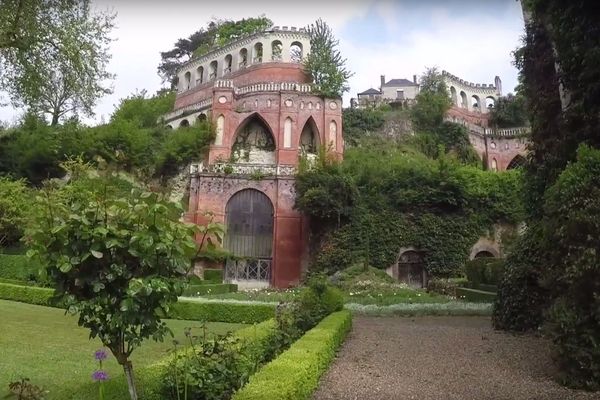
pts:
pixel 411 269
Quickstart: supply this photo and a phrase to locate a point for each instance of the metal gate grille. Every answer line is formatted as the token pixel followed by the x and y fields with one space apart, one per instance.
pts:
pixel 249 219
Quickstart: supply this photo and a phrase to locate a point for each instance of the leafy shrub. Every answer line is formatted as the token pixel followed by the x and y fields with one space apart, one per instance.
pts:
pixel 484 270
pixel 445 286
pixel 14 206
pixel 198 310
pixel 20 268
pixel 213 275
pixel 294 375
pixel 26 294
pixel 315 302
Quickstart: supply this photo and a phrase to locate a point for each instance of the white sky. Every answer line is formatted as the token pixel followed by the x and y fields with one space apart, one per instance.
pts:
pixel 471 39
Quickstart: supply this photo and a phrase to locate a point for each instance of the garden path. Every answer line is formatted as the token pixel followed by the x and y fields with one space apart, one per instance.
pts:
pixel 434 358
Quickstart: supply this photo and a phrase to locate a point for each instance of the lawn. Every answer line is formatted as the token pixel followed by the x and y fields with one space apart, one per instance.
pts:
pixel 46 346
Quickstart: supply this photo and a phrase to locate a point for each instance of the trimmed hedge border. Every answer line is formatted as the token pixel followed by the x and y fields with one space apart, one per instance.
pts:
pixel 210 288
pixel 213 275
pixel 211 311
pixel 294 375
pixel 453 308
pixel 18 267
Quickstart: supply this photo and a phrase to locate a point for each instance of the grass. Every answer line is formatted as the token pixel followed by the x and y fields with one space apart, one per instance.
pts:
pixel 47 346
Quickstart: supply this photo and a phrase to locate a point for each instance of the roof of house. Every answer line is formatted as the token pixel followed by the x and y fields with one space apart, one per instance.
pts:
pixel 400 82
pixel 371 91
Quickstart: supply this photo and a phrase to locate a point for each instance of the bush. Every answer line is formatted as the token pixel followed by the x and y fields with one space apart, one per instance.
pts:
pixel 445 286
pixel 19 267
pixel 15 201
pixel 213 275
pixel 484 270
pixel 221 311
pixel 453 308
pixel 316 302
pixel 294 375
pixel 26 294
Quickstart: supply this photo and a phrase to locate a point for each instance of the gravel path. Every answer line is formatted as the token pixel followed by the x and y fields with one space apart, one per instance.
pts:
pixel 441 358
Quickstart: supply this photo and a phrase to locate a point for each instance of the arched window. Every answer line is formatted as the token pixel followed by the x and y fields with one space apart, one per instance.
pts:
pixel 463 99
pixel 202 118
pixel 219 131
pixel 296 54
pixel 199 75
pixel 287 133
pixel 212 71
pixel 475 103
pixel 243 63
pixel 517 162
pixel 227 64
pixel 254 142
pixel 309 138
pixel 184 123
pixel 276 50
pixel 249 236
pixel 333 135
pixel 454 96
pixel 490 102
pixel 258 53
pixel 187 80
pixel 494 165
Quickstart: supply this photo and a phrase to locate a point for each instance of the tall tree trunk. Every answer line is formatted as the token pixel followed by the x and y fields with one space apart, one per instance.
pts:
pixel 128 368
pixel 55 117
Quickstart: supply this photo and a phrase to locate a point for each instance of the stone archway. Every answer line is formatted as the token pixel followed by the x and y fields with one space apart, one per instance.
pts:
pixel 249 217
pixel 484 254
pixel 254 142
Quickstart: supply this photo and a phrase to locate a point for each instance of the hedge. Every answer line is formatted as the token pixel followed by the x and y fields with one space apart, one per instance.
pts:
pixel 452 308
pixel 476 296
pixel 210 311
pixel 485 270
pixel 255 342
pixel 213 275
pixel 18 267
pixel 217 288
pixel 294 375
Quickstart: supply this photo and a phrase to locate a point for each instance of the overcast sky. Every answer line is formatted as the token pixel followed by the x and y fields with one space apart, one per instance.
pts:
pixel 396 38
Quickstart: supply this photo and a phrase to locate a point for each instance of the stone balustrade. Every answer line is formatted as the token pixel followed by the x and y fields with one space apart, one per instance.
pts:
pixel 243 169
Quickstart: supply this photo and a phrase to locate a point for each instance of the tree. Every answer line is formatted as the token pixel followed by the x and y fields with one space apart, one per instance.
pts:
pixel 117 261
pixel 54 55
pixel 432 102
pixel 324 63
pixel 509 112
pixel 216 33
pixel 14 205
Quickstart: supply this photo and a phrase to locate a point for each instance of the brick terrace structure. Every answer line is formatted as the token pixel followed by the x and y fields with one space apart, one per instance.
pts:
pixel 257 96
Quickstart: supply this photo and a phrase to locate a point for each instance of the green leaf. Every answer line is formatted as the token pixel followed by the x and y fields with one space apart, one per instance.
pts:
pixel 97 254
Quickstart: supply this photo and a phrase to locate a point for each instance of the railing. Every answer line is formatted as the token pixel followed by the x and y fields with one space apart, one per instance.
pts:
pixel 257 59
pixel 504 132
pixel 191 108
pixel 248 270
pixel 243 64
pixel 244 169
pixel 226 70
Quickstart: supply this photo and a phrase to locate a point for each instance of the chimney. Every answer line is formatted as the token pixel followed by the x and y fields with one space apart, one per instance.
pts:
pixel 414 78
pixel 382 80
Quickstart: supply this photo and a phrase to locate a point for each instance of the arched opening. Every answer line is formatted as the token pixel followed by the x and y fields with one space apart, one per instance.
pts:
pixel 227 64
pixel 411 269
pixel 212 70
pixel 258 53
pixel 453 96
pixel 309 138
pixel 169 127
pixel 187 80
pixel 199 75
pixel 243 58
pixel 463 99
pixel 296 54
pixel 254 142
pixel 494 165
pixel 484 254
pixel 287 133
pixel 333 135
pixel 475 103
pixel 249 236
pixel 184 123
pixel 201 118
pixel 490 102
pixel 220 130
pixel 276 50
pixel 517 162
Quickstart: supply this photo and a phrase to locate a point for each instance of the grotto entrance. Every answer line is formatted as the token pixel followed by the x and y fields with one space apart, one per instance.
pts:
pixel 411 269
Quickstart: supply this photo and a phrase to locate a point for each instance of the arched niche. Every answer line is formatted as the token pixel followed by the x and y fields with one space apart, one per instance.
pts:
pixel 227 64
pixel 517 162
pixel 220 130
pixel 201 118
pixel 332 142
pixel 254 142
pixel 494 164
pixel 475 103
pixel 463 99
pixel 309 138
pixel 212 70
pixel 199 75
pixel 187 80
pixel 276 50
pixel 257 52
pixel 490 102
pixel 296 52
pixel 287 133
pixel 243 58
pixel 454 96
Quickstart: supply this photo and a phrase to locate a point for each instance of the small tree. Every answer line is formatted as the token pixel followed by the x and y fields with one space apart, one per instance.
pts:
pixel 117 261
pixel 324 63
pixel 432 102
pixel 14 206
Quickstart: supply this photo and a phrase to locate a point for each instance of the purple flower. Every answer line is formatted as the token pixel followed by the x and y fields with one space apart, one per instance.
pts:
pixel 100 376
pixel 100 355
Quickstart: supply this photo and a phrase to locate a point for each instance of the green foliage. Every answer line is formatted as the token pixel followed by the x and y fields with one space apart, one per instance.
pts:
pixel 295 374
pixel 360 122
pixel 573 273
pixel 509 112
pixel 14 209
pixel 142 111
pixel 20 268
pixel 445 286
pixel 484 270
pixel 54 55
pixel 216 33
pixel 199 290
pixel 316 302
pixel 114 261
pixel 324 64
pixel 213 275
pixel 432 102
pixel 451 308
